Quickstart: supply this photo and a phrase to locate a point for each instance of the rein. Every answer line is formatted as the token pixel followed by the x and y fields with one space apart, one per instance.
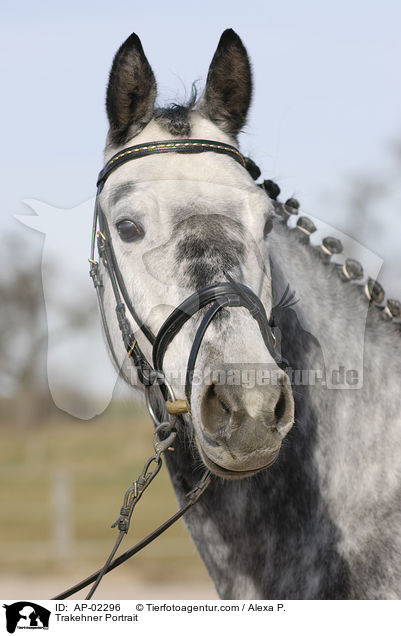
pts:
pixel 224 294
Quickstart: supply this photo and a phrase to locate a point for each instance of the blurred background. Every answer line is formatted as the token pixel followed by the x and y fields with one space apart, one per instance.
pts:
pixel 325 124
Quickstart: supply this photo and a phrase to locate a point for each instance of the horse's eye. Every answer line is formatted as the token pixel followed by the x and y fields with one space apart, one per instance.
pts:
pixel 268 227
pixel 129 231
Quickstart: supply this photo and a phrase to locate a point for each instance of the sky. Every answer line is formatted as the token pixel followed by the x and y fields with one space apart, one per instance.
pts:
pixel 326 106
pixel 327 97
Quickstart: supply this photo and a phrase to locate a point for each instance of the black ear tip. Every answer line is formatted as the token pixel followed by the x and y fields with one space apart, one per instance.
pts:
pixel 132 42
pixel 229 33
pixel 229 36
pixel 134 37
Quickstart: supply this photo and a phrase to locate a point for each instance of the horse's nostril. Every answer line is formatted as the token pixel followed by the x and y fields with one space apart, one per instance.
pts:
pixel 224 406
pixel 212 394
pixel 280 407
pixel 215 412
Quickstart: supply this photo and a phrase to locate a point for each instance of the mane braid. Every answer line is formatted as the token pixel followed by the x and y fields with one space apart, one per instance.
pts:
pixel 351 270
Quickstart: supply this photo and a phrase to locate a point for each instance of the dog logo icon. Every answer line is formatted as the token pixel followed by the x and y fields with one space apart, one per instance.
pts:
pixel 26 615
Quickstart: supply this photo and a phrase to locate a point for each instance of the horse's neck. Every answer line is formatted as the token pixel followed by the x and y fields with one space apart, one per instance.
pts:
pixel 358 430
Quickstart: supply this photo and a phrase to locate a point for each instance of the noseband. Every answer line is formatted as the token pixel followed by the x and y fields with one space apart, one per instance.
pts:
pixel 215 297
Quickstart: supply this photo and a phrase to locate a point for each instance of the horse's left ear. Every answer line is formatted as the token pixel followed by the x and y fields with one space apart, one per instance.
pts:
pixel 228 90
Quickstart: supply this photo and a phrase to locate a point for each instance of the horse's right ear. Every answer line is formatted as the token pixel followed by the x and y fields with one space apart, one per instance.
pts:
pixel 131 92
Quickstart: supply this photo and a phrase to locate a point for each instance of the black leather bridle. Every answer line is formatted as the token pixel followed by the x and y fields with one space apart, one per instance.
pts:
pixel 224 294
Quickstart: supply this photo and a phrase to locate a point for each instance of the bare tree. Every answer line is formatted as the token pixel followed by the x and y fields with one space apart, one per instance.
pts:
pixel 23 331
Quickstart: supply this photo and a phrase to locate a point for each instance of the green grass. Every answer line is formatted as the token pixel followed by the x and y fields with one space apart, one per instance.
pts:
pixel 96 461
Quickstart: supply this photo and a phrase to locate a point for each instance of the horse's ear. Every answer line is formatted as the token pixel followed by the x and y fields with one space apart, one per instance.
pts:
pixel 131 92
pixel 228 90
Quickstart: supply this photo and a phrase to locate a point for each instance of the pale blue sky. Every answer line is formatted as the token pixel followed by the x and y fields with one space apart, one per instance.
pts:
pixel 327 88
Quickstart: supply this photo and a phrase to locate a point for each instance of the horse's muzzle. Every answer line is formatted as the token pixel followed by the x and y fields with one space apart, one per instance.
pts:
pixel 241 429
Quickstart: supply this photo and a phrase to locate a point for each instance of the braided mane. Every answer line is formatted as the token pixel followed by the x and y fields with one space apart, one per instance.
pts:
pixel 351 271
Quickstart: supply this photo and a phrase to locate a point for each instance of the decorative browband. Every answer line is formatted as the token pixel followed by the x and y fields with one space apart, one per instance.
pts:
pixel 189 146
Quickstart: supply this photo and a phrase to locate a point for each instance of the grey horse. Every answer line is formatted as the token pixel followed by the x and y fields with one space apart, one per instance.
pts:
pixel 305 498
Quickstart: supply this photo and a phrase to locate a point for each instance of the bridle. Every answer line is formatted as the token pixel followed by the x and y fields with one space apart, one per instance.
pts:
pixel 224 294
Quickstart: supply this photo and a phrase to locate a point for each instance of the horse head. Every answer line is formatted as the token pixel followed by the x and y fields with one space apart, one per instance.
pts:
pixel 187 217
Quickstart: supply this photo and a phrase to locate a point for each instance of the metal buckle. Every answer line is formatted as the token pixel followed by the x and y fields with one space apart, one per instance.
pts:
pixel 160 376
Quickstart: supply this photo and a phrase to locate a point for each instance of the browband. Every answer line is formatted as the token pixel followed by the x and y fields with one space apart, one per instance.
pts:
pixel 184 146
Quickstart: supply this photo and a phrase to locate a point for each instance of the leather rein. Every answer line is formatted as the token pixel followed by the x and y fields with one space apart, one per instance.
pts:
pixel 224 294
